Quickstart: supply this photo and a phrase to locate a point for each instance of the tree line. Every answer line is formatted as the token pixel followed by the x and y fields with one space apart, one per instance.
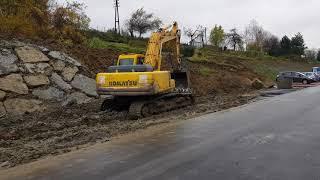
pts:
pixel 253 38
pixel 256 38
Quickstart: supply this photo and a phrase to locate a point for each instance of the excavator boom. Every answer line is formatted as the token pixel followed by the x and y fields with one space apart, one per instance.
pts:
pixel 156 43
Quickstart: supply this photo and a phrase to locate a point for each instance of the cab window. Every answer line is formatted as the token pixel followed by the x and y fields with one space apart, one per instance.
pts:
pixel 126 62
pixel 140 60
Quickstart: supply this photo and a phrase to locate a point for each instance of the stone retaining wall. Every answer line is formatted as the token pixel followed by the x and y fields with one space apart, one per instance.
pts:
pixel 31 77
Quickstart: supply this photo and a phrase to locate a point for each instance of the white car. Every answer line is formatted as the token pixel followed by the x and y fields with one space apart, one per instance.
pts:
pixel 311 75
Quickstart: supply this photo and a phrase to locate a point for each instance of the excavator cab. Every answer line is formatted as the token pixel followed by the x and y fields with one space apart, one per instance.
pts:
pixel 130 63
pixel 130 59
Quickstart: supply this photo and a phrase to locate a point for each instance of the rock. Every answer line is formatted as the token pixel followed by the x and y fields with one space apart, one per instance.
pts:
pixel 69 73
pixel 49 94
pixel 63 57
pixel 13 83
pixel 29 54
pixel 76 98
pixel 7 69
pixel 257 84
pixel 38 80
pixel 85 84
pixel 43 68
pixel 3 111
pixel 2 95
pixel 246 82
pixel 11 44
pixel 22 106
pixel 5 164
pixel 7 62
pixel 43 49
pixel 16 43
pixel 5 52
pixel 58 65
pixel 60 82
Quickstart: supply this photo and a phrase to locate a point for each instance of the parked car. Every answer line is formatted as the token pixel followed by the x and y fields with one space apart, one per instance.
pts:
pixel 316 70
pixel 311 75
pixel 296 77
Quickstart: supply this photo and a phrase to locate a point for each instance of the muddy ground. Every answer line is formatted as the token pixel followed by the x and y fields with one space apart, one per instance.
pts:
pixel 217 86
pixel 58 131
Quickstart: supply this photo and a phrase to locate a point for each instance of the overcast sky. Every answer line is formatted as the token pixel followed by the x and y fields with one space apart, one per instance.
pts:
pixel 280 17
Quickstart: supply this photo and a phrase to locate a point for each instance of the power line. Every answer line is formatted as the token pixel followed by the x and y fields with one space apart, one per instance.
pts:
pixel 116 17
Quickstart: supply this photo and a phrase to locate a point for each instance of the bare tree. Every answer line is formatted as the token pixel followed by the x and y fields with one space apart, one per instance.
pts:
pixel 142 22
pixel 196 36
pixel 255 35
pixel 234 39
pixel 311 54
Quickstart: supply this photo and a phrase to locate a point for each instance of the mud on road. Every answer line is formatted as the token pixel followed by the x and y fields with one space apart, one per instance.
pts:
pixel 61 130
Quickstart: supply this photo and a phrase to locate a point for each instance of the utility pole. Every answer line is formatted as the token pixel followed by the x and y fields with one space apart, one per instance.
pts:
pixel 116 17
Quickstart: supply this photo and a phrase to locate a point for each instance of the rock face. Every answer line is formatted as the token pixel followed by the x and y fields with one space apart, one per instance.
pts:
pixel 2 110
pixel 43 68
pixel 69 73
pixel 63 57
pixel 14 83
pixel 60 82
pixel 31 55
pixel 76 98
pixel 22 106
pixel 7 62
pixel 58 65
pixel 85 84
pixel 49 94
pixel 2 95
pixel 38 80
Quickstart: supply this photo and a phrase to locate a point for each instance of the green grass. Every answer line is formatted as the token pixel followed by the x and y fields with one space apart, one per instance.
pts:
pixel 265 71
pixel 205 71
pixel 100 44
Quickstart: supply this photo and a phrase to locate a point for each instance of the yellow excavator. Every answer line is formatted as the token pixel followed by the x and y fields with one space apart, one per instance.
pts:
pixel 138 83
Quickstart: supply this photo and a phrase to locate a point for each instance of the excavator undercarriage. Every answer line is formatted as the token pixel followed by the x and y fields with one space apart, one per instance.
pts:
pixel 144 106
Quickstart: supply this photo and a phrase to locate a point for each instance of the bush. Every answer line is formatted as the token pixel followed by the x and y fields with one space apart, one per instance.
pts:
pixel 187 51
pixel 36 19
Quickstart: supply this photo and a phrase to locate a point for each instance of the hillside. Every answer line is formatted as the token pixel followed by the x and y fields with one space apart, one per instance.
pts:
pixel 212 71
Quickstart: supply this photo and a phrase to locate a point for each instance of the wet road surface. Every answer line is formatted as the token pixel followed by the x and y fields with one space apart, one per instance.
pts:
pixel 277 138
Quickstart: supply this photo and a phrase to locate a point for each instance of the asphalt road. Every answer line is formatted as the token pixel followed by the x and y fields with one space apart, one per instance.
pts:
pixel 277 138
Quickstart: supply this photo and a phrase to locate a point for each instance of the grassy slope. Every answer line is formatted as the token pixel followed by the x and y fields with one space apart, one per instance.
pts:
pixel 132 47
pixel 266 66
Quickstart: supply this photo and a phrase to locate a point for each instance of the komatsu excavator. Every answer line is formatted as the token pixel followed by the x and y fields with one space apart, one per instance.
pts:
pixel 138 82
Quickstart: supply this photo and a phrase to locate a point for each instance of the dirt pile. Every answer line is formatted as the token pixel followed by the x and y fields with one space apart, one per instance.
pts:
pixel 212 78
pixel 96 60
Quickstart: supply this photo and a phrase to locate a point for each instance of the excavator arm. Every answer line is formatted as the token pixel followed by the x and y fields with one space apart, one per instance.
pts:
pixel 170 37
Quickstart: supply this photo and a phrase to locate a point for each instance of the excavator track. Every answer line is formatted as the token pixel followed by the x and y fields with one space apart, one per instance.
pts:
pixel 165 103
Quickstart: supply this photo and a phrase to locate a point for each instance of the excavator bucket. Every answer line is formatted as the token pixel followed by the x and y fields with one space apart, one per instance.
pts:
pixel 182 79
